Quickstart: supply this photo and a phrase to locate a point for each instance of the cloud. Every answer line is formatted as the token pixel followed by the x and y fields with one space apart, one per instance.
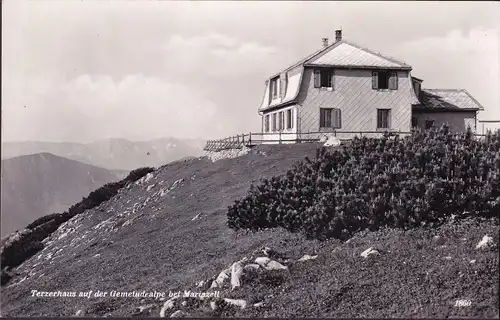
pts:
pixel 91 107
pixel 468 60
pixel 476 41
pixel 215 54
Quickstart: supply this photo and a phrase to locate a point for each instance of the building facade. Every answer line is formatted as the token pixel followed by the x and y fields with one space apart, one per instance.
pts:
pixel 347 89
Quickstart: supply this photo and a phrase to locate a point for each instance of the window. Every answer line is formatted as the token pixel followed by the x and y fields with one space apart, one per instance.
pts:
pixel 323 78
pixel 429 124
pixel 282 120
pixel 266 123
pixel 274 88
pixel 274 121
pixel 414 121
pixel 289 118
pixel 385 80
pixel 383 118
pixel 329 118
pixel 416 87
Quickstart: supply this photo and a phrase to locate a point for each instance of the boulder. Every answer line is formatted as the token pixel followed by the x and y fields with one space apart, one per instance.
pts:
pixel 236 302
pixel 486 242
pixel 369 252
pixel 307 257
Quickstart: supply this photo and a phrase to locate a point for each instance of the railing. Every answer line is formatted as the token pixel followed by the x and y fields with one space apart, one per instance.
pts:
pixel 257 138
pixel 487 121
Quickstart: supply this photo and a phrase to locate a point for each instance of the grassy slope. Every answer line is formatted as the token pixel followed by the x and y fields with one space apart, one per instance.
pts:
pixel 163 249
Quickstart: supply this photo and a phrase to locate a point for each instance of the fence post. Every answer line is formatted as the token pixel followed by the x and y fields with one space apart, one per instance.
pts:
pixel 279 135
pixel 249 138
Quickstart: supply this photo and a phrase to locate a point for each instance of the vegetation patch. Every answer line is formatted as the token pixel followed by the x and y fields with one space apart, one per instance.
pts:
pixel 419 180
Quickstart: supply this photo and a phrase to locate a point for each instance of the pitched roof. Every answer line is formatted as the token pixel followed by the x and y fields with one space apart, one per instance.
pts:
pixel 348 54
pixel 342 53
pixel 448 99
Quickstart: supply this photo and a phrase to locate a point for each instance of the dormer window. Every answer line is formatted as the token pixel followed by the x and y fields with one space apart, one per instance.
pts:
pixel 323 78
pixel 385 80
pixel 274 88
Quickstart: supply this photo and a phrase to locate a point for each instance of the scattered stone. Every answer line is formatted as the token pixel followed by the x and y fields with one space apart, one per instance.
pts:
pixel 236 273
pixel 307 257
pixel 447 258
pixel 368 252
pixel 169 304
pixel 213 305
pixel 251 266
pixel 262 261
pixel 275 265
pixel 142 309
pixel 151 186
pixel 184 303
pixel 332 141
pixel 258 304
pixel 269 264
pixel 80 313
pixel 239 303
pixel 486 242
pixel 178 314
pixel 227 153
pixel 439 240
pixel 196 217
pixel 266 251
pixel 219 281
pixel 473 261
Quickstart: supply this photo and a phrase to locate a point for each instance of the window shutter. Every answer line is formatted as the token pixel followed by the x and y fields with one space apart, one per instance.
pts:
pixel 336 118
pixel 329 113
pixel 333 79
pixel 285 84
pixel 317 79
pixel 270 91
pixel 393 81
pixel 374 80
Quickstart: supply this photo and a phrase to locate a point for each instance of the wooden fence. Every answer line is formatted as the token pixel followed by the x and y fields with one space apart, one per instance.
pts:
pixel 256 138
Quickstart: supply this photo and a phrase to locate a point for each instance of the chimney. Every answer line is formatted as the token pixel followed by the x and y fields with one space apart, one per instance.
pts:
pixel 338 35
pixel 325 42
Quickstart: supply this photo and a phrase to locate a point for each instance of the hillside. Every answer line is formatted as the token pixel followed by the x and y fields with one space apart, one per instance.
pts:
pixel 40 184
pixel 169 231
pixel 112 153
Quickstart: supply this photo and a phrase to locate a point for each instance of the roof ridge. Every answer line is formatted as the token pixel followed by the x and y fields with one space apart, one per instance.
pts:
pixel 448 89
pixel 301 61
pixel 381 55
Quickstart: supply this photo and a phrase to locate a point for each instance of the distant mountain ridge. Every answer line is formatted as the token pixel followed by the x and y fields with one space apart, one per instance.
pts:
pixel 113 153
pixel 39 184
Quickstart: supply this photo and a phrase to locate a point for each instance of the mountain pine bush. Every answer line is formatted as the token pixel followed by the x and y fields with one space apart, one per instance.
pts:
pixel 418 180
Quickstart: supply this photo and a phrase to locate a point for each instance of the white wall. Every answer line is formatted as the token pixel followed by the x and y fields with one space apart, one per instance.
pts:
pixel 286 134
pixel 458 121
pixel 358 102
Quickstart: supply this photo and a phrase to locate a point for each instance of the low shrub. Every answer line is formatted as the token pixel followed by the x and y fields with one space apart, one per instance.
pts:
pixel 401 182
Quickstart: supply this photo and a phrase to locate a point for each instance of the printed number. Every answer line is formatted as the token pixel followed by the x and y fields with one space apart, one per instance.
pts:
pixel 463 303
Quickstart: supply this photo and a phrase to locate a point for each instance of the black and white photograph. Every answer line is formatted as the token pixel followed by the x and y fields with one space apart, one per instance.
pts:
pixel 250 159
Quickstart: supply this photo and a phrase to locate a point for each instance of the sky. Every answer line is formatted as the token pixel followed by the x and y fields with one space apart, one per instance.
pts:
pixel 81 70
